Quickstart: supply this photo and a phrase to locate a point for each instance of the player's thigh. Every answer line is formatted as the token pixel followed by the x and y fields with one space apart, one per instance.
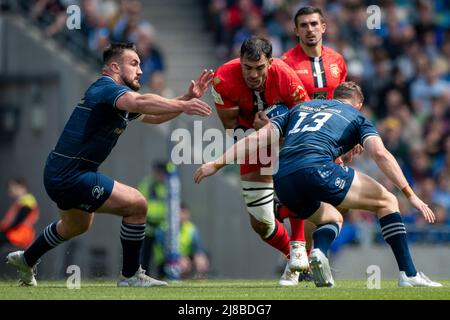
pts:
pixel 124 201
pixel 326 214
pixel 366 193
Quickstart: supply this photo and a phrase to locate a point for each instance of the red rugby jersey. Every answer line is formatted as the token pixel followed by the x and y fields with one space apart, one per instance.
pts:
pixel 230 90
pixel 319 75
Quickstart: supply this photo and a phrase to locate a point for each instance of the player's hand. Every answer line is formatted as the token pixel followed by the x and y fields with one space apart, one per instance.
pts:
pixel 348 157
pixel 423 208
pixel 261 120
pixel 206 170
pixel 199 87
pixel 357 150
pixel 196 107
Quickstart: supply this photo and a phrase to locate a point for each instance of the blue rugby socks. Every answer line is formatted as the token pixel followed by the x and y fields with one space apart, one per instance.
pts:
pixel 48 240
pixel 131 237
pixel 324 235
pixel 394 233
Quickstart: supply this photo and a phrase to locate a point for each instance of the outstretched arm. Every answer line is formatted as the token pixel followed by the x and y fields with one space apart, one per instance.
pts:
pixel 387 163
pixel 153 104
pixel 250 144
pixel 157 119
pixel 196 90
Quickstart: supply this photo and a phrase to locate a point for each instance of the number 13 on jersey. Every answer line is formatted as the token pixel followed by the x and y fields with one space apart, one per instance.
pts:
pixel 319 120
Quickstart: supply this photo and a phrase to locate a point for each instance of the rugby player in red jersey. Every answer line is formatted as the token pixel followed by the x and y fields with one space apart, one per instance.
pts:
pixel 243 88
pixel 321 70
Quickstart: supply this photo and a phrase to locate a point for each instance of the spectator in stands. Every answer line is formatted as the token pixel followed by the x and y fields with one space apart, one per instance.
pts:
pixel 128 27
pixel 51 13
pixel 425 88
pixel 151 58
pixel 158 85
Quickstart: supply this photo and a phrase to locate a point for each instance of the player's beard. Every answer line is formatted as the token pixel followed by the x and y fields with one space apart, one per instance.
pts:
pixel 133 84
pixel 257 85
pixel 313 42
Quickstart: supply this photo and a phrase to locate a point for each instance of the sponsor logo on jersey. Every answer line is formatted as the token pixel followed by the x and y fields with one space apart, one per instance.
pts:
pixel 217 97
pixel 324 173
pixel 85 206
pixel 302 71
pixel 340 183
pixel 320 95
pixel 335 71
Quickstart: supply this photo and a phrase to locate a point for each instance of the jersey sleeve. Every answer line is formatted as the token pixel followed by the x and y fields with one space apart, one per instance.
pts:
pixel 294 91
pixel 219 90
pixel 111 92
pixel 366 130
pixel 281 122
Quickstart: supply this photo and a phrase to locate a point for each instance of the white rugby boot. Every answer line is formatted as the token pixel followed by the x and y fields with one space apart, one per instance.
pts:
pixel 26 273
pixel 289 277
pixel 320 269
pixel 419 280
pixel 140 279
pixel 298 260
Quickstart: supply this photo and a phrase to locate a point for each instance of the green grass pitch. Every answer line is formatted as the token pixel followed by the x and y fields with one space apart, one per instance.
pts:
pixel 222 290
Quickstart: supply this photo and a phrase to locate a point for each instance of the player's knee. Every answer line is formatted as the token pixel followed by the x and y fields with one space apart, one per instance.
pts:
pixel 139 206
pixel 260 208
pixel 263 228
pixel 72 228
pixel 390 202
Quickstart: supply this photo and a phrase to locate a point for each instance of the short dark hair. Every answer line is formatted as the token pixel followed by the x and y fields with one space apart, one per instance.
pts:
pixel 349 91
pixel 116 49
pixel 254 47
pixel 303 11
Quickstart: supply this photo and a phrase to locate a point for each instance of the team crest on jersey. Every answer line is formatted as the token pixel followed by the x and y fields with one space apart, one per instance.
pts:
pixel 216 80
pixel 335 71
pixel 97 191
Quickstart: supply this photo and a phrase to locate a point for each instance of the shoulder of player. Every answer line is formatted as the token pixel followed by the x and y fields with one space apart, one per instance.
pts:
pixel 352 113
pixel 228 68
pixel 226 75
pixel 287 55
pixel 105 82
pixel 327 51
pixel 280 67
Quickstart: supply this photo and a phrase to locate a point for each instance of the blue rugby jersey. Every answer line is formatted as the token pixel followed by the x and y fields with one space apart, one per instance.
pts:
pixel 319 131
pixel 91 131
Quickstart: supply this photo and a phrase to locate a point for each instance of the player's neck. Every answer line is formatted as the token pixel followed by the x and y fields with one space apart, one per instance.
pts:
pixel 315 51
pixel 112 76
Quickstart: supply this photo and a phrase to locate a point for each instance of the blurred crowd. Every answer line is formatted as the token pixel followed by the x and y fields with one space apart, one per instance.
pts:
pixel 102 22
pixel 403 67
